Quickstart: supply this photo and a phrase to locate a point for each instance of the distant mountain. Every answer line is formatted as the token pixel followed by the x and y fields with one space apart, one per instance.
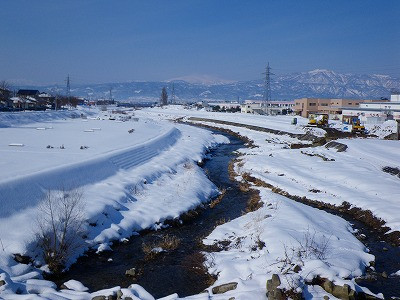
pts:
pixel 316 83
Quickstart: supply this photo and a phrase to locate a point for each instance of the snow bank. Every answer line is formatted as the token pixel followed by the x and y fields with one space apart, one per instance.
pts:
pixel 12 119
pixel 138 181
pixel 278 236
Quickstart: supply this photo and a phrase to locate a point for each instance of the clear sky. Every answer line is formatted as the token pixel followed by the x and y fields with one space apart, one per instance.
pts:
pixel 108 41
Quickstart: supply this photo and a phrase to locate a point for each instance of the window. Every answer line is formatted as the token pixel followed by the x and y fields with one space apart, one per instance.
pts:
pixel 350 103
pixel 324 104
pixel 313 104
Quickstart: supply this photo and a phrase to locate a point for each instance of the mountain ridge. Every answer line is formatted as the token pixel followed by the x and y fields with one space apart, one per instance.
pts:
pixel 319 83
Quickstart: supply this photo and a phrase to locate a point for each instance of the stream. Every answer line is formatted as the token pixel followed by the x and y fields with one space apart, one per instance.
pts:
pixel 177 271
pixel 180 270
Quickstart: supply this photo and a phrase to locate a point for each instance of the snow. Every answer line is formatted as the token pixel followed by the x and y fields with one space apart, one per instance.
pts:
pixel 133 181
pixel 286 227
pixel 75 285
pixel 349 176
pixel 124 177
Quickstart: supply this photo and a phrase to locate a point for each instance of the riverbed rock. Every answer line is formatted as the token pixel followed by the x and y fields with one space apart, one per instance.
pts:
pixel 341 292
pixel 223 288
pixel 131 272
pixel 2 282
pixel 296 269
pixel 327 285
pixel 22 259
pixel 384 274
pixel 99 298
pixel 336 145
pixel 273 292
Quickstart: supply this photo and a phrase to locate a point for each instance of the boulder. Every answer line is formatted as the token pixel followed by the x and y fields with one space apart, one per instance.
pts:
pixel 131 272
pixel 273 292
pixel 22 259
pixel 327 285
pixel 99 298
pixel 341 292
pixel 2 282
pixel 223 288
pixel 335 145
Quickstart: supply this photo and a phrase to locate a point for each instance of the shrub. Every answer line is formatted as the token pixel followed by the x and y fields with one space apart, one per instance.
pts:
pixel 60 227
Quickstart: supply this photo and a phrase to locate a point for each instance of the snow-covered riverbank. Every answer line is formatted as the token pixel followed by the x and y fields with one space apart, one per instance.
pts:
pixel 130 181
pixel 136 180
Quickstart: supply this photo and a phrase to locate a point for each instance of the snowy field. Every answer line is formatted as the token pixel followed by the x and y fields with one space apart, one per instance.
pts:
pixel 129 173
pixel 131 179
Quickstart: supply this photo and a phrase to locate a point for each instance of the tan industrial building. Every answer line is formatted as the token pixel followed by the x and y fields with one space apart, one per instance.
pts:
pixel 331 107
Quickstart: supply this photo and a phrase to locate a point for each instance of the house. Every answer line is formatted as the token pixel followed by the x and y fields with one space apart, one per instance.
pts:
pixel 224 106
pixel 26 93
pixel 45 100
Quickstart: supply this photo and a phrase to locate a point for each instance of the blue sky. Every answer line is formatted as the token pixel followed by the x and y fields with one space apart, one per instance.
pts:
pixel 108 41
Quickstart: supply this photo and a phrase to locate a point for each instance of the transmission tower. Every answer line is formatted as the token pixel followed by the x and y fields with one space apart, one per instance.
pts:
pixel 68 90
pixel 111 95
pixel 173 94
pixel 267 88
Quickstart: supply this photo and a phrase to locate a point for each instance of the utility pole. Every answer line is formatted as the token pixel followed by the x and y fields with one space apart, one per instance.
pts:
pixel 267 88
pixel 68 91
pixel 173 94
pixel 111 95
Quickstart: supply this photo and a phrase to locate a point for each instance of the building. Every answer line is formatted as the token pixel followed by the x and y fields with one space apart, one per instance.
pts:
pixel 26 93
pixel 260 107
pixel 331 107
pixel 374 112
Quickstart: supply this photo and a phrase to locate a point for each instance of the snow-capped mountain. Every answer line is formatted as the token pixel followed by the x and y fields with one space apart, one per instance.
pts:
pixel 316 83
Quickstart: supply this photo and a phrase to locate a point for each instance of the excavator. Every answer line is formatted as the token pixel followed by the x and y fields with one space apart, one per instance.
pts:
pixel 357 127
pixel 318 121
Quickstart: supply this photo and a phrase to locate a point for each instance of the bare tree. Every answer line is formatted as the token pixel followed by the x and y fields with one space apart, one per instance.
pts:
pixel 5 85
pixel 60 226
pixel 164 97
pixel 5 90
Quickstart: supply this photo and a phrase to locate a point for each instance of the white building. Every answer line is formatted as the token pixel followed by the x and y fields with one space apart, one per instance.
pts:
pixel 374 112
pixel 259 107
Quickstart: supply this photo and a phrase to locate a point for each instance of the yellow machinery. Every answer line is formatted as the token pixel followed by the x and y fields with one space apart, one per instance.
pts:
pixel 357 127
pixel 312 121
pixel 319 121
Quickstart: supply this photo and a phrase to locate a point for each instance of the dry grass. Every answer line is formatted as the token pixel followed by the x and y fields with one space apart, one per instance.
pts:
pixel 196 263
pixel 217 200
pixel 254 201
pixel 222 221
pixel 166 243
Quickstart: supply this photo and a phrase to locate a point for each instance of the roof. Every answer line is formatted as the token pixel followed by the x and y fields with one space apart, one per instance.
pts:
pixel 369 109
pixel 28 92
